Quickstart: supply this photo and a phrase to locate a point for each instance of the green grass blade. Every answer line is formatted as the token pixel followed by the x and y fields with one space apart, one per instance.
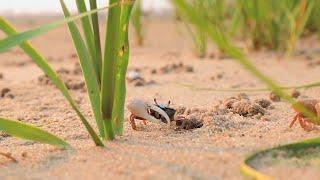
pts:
pixel 114 65
pixel 88 34
pixel 25 131
pixel 121 69
pixel 46 68
pixel 96 32
pixel 91 80
pixel 249 169
pixel 108 66
pixel 136 21
pixel 19 38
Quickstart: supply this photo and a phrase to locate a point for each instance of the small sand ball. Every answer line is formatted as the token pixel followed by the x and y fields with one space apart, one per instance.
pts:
pixel 255 109
pixel 243 96
pixel 24 154
pixel 274 97
pixel 181 110
pixel 63 70
pixel 153 71
pixel 229 102
pixel 220 75
pixel 295 93
pixel 139 82
pixel 241 107
pixel 265 103
pixel 189 69
pixel 4 91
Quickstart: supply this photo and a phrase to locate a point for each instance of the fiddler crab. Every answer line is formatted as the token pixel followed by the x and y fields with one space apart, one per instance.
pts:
pixel 145 111
pixel 313 106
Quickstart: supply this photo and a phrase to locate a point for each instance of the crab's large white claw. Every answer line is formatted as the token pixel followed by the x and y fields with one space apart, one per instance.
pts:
pixel 140 108
pixel 161 112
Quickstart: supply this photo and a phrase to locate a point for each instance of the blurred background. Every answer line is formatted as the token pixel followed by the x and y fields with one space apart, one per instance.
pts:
pixel 53 6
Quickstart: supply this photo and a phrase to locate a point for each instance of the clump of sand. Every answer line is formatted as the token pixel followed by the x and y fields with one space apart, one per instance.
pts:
pixel 221 117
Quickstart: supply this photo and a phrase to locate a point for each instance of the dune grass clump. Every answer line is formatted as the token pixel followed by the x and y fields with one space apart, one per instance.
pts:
pixel 273 24
pixel 104 73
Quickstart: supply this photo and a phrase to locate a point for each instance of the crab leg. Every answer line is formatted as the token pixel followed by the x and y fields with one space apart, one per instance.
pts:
pixel 132 122
pixel 294 120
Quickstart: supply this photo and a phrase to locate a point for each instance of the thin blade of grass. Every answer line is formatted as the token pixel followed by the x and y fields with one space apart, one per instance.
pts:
pixel 96 32
pixel 88 34
pixel 91 80
pixel 136 21
pixel 19 38
pixel 46 68
pixel 25 131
